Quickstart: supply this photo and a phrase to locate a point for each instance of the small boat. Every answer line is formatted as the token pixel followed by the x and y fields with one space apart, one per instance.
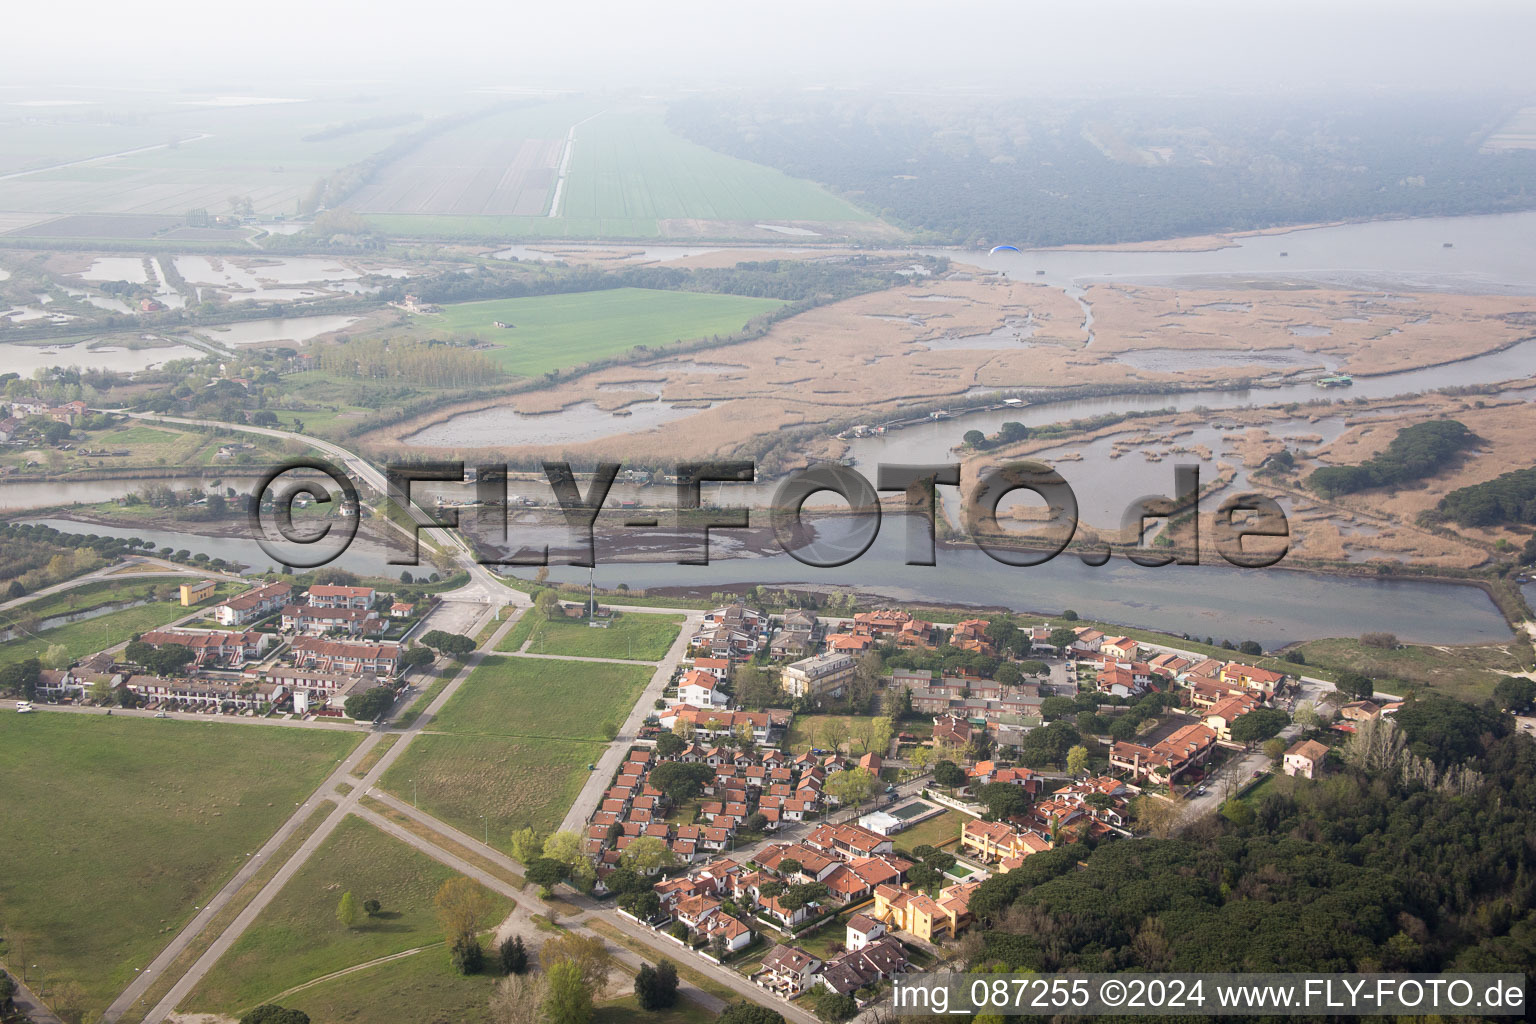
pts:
pixel 1446 245
pixel 1284 253
pixel 1338 380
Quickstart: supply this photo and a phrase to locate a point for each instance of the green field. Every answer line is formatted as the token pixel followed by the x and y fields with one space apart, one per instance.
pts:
pixel 637 636
pixel 1466 673
pixel 941 829
pixel 630 177
pixel 118 828
pixel 92 635
pixel 419 989
pixel 298 938
pixel 630 166
pixel 513 744
pixel 512 781
pixel 555 332
pixel 539 697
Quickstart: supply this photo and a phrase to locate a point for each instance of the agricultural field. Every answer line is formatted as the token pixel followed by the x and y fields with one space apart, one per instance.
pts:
pixel 630 166
pixel 552 332
pixel 298 937
pixel 501 165
pixel 512 746
pixel 123 832
pixel 626 175
pixel 189 155
pixel 631 636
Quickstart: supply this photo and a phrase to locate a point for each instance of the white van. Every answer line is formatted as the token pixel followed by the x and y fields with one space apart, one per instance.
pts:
pixel 24 707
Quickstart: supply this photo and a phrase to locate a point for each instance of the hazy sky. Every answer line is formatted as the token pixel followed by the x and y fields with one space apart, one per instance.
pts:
pixel 1014 46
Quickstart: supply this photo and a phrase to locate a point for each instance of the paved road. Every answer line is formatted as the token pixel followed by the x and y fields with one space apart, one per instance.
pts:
pixel 222 898
pixel 346 803
pixel 482 583
pixel 598 780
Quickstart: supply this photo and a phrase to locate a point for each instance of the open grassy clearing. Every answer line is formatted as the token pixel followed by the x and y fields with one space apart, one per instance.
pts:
pixel 226 917
pixel 126 825
pixel 1467 673
pixel 445 841
pixel 519 634
pixel 944 828
pixel 565 700
pixel 297 937
pixel 554 332
pixel 422 988
pixel 489 786
pixel 635 636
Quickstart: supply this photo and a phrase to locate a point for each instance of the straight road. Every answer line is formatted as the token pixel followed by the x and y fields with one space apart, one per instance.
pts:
pixel 598 780
pixel 346 803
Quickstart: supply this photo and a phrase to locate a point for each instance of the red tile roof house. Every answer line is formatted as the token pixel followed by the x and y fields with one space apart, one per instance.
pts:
pixel 323 595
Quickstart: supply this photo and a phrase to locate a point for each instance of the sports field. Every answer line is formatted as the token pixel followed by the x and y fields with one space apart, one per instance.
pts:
pixel 298 938
pixel 552 332
pixel 118 828
pixel 512 746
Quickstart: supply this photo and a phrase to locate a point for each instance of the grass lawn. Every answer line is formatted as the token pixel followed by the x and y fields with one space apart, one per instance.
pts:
pixel 540 697
pixel 419 989
pixel 297 937
pixel 519 633
pixel 512 781
pixel 634 635
pixel 934 831
pixel 555 332
pixel 512 746
pixel 92 635
pixel 420 704
pixel 625 1010
pixel 1467 673
pixel 117 828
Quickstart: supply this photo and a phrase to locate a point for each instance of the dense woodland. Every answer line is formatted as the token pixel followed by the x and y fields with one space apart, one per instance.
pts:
pixel 1026 173
pixel 1412 855
pixel 1417 452
pixel 1508 498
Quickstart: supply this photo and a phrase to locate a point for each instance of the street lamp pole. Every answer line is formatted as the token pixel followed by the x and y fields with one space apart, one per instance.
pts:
pixel 413 792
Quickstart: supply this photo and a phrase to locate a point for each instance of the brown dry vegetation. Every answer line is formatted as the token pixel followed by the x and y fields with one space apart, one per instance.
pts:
pixel 864 357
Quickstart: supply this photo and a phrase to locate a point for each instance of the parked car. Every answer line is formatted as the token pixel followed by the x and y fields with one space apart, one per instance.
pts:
pixel 24 707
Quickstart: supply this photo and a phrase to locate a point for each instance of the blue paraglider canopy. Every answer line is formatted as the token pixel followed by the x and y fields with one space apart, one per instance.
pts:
pixel 1004 248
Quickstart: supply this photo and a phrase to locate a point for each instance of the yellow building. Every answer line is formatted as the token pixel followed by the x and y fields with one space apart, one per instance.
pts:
pixel 993 841
pixel 192 593
pixel 905 910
